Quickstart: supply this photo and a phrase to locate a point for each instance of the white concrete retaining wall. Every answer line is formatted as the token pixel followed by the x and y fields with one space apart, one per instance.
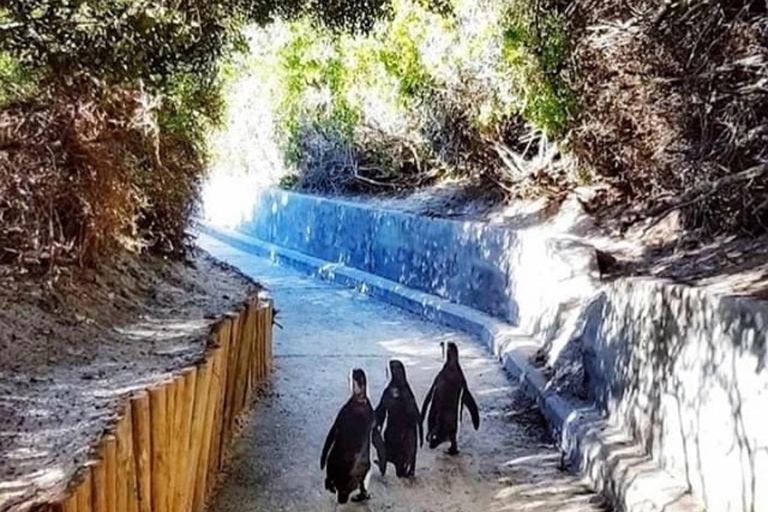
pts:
pixel 682 369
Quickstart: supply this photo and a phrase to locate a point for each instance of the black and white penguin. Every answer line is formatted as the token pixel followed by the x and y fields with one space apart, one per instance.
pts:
pixel 347 449
pixel 448 394
pixel 399 409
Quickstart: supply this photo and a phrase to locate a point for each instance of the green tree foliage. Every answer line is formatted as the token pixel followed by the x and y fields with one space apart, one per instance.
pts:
pixel 122 94
pixel 440 84
pixel 535 48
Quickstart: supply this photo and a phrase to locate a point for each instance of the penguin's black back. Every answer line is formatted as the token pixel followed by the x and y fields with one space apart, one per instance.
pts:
pixel 349 458
pixel 449 393
pixel 444 414
pixel 403 420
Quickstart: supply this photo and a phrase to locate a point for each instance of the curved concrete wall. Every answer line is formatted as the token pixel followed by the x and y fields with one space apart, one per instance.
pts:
pixel 685 372
pixel 681 369
pixel 471 263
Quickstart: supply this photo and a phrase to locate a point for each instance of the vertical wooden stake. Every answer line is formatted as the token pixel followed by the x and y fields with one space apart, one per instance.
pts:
pixel 270 331
pixel 70 504
pixel 263 343
pixel 126 480
pixel 202 390
pixel 201 487
pixel 241 372
pixel 254 321
pixel 110 468
pixel 142 443
pixel 172 440
pixel 234 346
pixel 99 476
pixel 249 354
pixel 218 418
pixel 84 494
pixel 183 484
pixel 256 359
pixel 158 408
pixel 177 447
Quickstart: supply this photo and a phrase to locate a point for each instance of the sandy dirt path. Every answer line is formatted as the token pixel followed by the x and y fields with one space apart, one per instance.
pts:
pixel 510 464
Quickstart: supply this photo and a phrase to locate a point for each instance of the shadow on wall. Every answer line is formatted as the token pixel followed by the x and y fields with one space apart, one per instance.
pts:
pixel 464 262
pixel 520 276
pixel 685 371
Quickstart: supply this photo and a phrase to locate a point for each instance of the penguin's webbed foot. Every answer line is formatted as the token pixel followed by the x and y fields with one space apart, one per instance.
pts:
pixel 452 451
pixel 363 495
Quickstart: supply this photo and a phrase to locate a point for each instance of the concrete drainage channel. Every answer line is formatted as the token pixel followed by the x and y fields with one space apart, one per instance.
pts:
pixel 663 363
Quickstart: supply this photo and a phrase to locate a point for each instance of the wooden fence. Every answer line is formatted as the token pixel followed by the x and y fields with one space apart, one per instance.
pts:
pixel 168 446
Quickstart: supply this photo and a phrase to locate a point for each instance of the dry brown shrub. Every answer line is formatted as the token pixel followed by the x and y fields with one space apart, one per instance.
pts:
pixel 81 175
pixel 674 104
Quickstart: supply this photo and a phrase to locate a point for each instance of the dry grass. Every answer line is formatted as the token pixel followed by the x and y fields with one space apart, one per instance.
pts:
pixel 675 99
pixel 82 175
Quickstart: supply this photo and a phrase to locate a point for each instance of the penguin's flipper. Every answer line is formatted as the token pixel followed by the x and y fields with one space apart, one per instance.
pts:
pixel 421 433
pixel 381 451
pixel 414 412
pixel 329 440
pixel 381 412
pixel 469 402
pixel 427 400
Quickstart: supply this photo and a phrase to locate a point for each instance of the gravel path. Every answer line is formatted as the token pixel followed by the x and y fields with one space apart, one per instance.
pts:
pixel 508 465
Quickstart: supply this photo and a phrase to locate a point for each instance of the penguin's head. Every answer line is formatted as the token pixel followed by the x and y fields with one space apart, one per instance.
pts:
pixel 359 383
pixel 397 371
pixel 450 351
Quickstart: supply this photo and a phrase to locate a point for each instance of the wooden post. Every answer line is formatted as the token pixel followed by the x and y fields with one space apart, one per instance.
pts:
pixel 177 447
pixel 256 359
pixel 70 503
pixel 241 373
pixel 254 325
pixel 171 440
pixel 126 473
pixel 158 409
pixel 84 495
pixel 202 390
pixel 201 486
pixel 249 354
pixel 99 476
pixel 183 483
pixel 230 411
pixel 142 443
pixel 216 449
pixel 169 445
pixel 110 468
pixel 263 342
pixel 270 331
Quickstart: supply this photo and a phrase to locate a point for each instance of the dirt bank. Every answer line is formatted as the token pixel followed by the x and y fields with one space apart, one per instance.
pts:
pixel 74 341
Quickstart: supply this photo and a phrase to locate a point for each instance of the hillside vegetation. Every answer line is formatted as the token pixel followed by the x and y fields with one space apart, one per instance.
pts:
pixel 111 112
pixel 658 106
pixel 105 109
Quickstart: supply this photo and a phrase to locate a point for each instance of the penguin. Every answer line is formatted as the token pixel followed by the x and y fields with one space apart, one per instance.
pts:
pixel 448 394
pixel 399 408
pixel 347 448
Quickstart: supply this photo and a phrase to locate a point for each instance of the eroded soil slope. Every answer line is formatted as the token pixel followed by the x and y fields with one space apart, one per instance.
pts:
pixel 74 341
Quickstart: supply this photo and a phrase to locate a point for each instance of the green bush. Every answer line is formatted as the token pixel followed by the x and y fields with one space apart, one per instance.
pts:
pixel 535 49
pixel 126 91
pixel 430 90
pixel 16 83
